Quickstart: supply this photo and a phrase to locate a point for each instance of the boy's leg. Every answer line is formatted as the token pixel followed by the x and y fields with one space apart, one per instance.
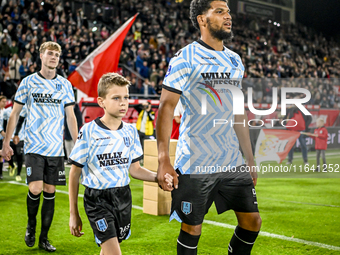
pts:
pixel 318 160
pixel 323 155
pixel 111 247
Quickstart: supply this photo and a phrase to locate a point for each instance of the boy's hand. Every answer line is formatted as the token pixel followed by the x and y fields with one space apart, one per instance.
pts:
pixel 165 170
pixel 169 180
pixel 76 225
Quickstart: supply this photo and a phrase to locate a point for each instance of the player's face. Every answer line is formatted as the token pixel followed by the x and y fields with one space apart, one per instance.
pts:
pixel 50 58
pixel 116 102
pixel 219 20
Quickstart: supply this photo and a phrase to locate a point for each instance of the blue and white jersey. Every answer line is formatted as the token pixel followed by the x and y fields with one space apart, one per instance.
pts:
pixel 23 113
pixel 106 155
pixel 46 101
pixel 203 77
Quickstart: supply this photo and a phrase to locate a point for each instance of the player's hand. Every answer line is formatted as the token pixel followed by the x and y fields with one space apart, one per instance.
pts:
pixel 165 170
pixel 252 171
pixel 76 225
pixel 16 139
pixel 7 152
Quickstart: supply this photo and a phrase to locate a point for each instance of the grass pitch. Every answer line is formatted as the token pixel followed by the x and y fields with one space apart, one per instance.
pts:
pixel 300 214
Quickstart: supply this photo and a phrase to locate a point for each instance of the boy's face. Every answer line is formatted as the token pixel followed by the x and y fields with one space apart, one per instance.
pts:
pixel 116 102
pixel 319 123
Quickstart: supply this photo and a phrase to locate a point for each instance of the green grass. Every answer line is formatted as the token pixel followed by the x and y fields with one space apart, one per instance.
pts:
pixel 307 208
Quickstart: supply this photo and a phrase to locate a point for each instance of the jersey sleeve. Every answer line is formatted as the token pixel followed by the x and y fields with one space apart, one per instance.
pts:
pixel 136 151
pixel 80 151
pixel 22 93
pixel 69 99
pixel 177 75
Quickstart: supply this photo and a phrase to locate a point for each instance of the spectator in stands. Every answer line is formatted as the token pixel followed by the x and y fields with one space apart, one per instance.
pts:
pixel 144 124
pixel 23 69
pixel 14 66
pixel 5 53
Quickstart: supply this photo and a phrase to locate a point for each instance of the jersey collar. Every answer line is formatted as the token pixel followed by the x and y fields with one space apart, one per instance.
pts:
pixel 45 78
pixel 99 123
pixel 206 45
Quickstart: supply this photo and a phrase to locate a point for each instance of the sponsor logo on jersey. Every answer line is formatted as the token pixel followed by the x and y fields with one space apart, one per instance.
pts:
pixel 45 98
pixel 111 159
pixel 186 207
pixel 214 79
pixel 208 57
pixel 101 225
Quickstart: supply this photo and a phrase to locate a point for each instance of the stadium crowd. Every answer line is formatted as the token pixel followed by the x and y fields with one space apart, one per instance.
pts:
pixel 269 52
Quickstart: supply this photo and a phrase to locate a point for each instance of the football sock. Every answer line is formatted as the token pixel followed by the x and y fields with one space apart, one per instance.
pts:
pixel 187 244
pixel 242 241
pixel 1 165
pixel 47 212
pixel 32 208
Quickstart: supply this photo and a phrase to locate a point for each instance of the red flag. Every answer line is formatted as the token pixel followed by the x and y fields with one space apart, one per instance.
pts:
pixel 274 144
pixel 102 60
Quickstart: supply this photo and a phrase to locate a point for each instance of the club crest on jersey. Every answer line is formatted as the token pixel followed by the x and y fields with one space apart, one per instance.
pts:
pixel 233 60
pixel 101 225
pixel 58 86
pixel 186 207
pixel 29 171
pixel 127 141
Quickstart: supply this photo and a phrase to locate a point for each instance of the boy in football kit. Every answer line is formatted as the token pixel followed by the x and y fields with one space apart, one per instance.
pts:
pixel 48 97
pixel 106 150
pixel 208 163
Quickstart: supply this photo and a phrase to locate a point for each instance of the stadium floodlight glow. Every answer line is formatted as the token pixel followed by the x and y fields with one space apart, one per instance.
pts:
pixel 275 23
pixel 94 29
pixel 265 43
pixel 278 24
pixel 269 21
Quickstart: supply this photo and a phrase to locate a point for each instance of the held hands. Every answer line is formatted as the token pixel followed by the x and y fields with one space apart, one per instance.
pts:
pixel 76 225
pixel 167 177
pixel 7 152
pixel 16 139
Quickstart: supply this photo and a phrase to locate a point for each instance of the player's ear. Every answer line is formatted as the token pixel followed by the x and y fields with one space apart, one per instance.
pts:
pixel 100 102
pixel 201 20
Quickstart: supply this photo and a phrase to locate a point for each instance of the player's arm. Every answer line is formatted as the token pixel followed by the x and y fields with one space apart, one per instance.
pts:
pixel 167 105
pixel 16 138
pixel 71 122
pixel 242 132
pixel 7 151
pixel 141 173
pixel 75 220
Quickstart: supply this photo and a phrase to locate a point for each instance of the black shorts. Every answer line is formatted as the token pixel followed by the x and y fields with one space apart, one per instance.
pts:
pixel 42 168
pixel 194 196
pixel 1 141
pixel 109 212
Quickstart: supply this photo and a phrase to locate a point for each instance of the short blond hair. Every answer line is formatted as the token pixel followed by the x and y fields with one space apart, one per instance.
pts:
pixel 49 46
pixel 321 120
pixel 108 80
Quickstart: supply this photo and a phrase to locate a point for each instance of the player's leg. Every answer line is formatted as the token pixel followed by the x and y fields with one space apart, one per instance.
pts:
pixel 34 169
pixel 290 155
pixel 188 239
pixel 1 160
pixel 20 159
pixel 54 174
pixel 239 195
pixel 302 140
pixel 110 247
pixel 12 167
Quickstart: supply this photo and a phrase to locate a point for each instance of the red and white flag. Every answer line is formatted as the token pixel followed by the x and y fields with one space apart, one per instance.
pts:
pixel 274 145
pixel 102 60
